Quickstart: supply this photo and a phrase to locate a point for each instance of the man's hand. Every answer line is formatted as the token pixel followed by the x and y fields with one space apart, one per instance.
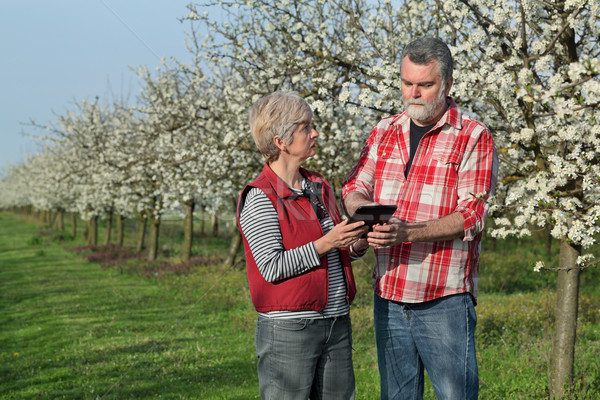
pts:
pixel 449 227
pixel 392 233
pixel 354 200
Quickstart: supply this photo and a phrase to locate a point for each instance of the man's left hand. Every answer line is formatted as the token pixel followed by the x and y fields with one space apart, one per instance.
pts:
pixel 449 227
pixel 390 234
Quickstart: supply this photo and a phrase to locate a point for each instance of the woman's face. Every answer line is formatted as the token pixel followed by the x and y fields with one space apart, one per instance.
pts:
pixel 303 141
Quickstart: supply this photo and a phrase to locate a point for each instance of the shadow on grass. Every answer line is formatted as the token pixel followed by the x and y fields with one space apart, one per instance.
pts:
pixel 127 260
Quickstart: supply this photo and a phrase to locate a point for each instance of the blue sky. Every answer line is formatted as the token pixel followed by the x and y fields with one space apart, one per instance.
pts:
pixel 58 52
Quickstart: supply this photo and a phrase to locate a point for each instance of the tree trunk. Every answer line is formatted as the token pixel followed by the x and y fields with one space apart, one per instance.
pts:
pixel 236 242
pixel 47 218
pixel 86 231
pixel 73 224
pixel 153 244
pixel 52 218
pixel 92 238
pixel 202 215
pixel 107 232
pixel 188 230
pixel 120 234
pixel 141 234
pixel 214 224
pixel 60 222
pixel 563 344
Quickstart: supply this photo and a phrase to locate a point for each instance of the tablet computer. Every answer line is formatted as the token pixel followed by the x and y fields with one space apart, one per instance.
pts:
pixel 372 215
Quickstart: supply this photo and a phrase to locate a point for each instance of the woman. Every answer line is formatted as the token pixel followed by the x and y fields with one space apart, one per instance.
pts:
pixel 298 263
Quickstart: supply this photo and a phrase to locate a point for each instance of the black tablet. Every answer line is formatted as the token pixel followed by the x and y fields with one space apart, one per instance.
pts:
pixel 372 215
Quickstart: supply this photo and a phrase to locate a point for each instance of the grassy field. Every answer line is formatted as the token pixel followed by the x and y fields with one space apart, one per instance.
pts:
pixel 73 329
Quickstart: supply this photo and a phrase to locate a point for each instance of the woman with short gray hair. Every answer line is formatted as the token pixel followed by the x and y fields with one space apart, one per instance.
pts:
pixel 298 253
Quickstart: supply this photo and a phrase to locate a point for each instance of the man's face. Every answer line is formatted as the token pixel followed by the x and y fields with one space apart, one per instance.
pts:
pixel 423 92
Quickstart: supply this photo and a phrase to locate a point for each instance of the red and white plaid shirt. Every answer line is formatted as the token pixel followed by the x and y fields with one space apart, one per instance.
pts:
pixel 454 169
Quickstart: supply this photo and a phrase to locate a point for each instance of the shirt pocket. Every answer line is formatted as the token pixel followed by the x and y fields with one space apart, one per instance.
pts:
pixel 389 174
pixel 444 166
pixel 439 192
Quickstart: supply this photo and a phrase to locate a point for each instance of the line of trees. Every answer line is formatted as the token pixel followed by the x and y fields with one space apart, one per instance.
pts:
pixel 529 69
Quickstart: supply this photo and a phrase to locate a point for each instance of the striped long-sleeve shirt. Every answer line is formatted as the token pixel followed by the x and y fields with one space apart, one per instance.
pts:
pixel 260 225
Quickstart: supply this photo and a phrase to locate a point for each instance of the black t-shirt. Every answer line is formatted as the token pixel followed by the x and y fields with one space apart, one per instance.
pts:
pixel 416 134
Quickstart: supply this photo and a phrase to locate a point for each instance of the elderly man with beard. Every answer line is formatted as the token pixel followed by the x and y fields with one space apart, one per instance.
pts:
pixel 439 167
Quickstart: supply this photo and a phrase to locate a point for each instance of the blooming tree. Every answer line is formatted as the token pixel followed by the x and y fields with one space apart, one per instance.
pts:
pixel 47 188
pixel 530 69
pixel 170 106
pixel 81 164
pixel 78 143
pixel 327 51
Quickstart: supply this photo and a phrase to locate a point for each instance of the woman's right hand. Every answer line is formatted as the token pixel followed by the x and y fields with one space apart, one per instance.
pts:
pixel 341 235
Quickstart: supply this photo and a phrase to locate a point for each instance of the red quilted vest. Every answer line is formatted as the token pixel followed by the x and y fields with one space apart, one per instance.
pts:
pixel 299 225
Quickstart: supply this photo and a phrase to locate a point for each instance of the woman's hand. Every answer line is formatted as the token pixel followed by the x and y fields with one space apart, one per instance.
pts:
pixel 342 235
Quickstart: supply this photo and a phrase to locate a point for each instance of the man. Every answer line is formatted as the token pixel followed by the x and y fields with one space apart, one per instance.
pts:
pixel 439 167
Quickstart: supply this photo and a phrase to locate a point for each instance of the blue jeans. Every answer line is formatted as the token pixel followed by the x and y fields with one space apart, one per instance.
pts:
pixel 438 336
pixel 302 358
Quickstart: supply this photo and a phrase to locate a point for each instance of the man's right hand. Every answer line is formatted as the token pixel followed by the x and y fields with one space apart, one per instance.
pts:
pixel 353 200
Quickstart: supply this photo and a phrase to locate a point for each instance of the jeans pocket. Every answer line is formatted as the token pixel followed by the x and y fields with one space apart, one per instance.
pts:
pixel 293 324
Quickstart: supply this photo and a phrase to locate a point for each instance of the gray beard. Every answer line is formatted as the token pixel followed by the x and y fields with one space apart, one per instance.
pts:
pixel 428 110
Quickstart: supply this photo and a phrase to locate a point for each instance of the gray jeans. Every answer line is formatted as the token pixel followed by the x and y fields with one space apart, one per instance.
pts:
pixel 302 358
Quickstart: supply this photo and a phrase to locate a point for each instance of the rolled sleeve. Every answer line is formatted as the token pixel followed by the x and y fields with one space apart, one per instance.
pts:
pixel 477 182
pixel 472 224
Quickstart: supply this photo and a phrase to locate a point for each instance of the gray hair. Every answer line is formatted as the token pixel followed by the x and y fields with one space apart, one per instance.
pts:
pixel 426 49
pixel 277 114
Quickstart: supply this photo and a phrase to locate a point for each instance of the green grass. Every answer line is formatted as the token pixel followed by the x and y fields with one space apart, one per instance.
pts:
pixel 71 329
pixel 77 330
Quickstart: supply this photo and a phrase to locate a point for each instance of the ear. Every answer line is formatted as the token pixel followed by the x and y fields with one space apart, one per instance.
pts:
pixel 449 85
pixel 281 145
